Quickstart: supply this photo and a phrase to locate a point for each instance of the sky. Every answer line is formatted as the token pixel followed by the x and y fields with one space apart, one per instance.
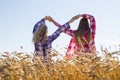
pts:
pixel 17 18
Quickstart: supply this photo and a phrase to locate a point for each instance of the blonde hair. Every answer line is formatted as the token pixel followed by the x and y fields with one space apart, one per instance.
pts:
pixel 40 34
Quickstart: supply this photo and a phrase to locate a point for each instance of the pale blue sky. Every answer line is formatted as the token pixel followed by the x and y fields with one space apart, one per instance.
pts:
pixel 17 18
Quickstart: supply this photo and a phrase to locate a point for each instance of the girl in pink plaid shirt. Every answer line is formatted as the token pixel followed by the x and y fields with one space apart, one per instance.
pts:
pixel 82 40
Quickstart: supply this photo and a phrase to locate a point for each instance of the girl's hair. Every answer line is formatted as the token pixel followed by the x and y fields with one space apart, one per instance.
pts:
pixel 40 34
pixel 82 28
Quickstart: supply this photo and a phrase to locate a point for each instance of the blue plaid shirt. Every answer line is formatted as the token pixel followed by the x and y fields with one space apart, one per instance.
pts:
pixel 44 49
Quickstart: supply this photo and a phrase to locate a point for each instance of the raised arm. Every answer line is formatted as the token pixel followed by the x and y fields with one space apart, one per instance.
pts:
pixel 92 28
pixel 74 18
pixel 50 19
pixel 42 21
pixel 67 31
pixel 58 31
pixel 70 32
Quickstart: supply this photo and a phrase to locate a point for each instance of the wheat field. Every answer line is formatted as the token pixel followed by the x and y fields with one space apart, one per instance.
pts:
pixel 19 66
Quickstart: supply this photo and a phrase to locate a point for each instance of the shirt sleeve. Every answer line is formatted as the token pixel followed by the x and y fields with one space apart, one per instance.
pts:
pixel 69 31
pixel 42 21
pixel 92 26
pixel 92 22
pixel 58 31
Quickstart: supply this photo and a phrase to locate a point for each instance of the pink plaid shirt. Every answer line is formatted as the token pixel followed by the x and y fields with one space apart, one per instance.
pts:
pixel 87 47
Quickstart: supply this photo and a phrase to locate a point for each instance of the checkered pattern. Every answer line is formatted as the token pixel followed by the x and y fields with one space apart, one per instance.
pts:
pixel 73 46
pixel 85 47
pixel 44 49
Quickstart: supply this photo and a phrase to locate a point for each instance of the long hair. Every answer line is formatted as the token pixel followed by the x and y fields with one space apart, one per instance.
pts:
pixel 82 28
pixel 40 34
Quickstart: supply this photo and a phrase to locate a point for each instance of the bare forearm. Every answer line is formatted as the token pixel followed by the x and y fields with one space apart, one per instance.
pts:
pixel 74 18
pixel 56 24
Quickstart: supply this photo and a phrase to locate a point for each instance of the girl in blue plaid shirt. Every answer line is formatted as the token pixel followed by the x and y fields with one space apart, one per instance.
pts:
pixel 43 41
